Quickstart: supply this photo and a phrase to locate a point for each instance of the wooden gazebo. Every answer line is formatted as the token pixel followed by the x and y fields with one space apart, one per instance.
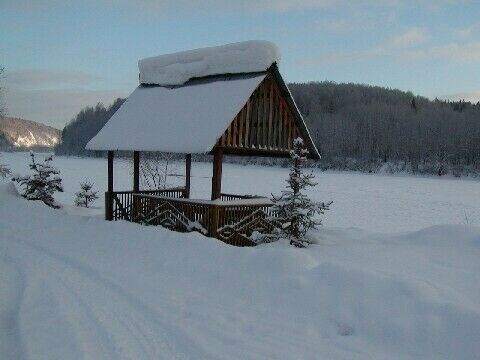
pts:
pixel 247 109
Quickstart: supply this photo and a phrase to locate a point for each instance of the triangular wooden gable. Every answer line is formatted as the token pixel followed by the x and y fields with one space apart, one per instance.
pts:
pixel 266 125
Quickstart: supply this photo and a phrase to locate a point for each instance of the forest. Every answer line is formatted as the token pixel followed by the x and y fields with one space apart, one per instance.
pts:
pixel 355 127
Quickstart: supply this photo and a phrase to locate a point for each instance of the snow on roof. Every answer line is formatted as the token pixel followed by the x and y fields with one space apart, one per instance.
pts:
pixel 178 68
pixel 186 119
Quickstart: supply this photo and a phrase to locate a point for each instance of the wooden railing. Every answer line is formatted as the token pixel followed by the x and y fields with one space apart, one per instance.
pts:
pixel 232 221
pixel 226 197
pixel 118 204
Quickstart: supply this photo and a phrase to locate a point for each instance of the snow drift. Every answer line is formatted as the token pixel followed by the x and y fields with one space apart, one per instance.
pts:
pixel 178 68
pixel 78 287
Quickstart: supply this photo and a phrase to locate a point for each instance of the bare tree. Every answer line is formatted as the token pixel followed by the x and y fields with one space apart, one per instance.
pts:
pixel 155 169
pixel 3 108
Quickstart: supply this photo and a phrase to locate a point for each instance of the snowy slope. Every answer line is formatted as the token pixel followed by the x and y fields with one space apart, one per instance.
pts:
pixel 79 287
pixel 25 134
pixel 236 58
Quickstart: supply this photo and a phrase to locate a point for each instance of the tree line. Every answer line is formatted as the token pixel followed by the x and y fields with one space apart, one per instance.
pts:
pixel 356 127
pixel 370 125
pixel 86 124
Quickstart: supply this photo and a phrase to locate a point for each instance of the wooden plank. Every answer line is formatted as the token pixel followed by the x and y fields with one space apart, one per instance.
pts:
pixel 275 121
pixel 188 170
pixel 223 139
pixel 217 174
pixel 136 171
pixel 253 122
pixel 270 117
pixel 110 171
pixel 265 115
pixel 259 117
pixel 280 118
pixel 109 194
pixel 285 126
pixel 120 207
pixel 240 127
pixel 247 124
pixel 290 139
pixel 234 131
pixel 229 136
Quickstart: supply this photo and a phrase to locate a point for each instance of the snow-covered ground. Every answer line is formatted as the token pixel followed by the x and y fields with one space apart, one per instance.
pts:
pixel 370 202
pixel 383 282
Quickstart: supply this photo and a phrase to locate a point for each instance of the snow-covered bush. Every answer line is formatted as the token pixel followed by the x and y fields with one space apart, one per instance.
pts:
pixel 294 210
pixel 42 183
pixel 86 196
pixel 4 171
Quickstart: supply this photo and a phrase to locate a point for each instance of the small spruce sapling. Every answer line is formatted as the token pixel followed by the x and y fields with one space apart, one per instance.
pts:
pixel 294 210
pixel 86 196
pixel 42 183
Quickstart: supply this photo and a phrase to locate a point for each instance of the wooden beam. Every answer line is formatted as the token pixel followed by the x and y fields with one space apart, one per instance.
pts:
pixel 240 130
pixel 235 131
pixel 217 173
pixel 259 117
pixel 280 121
pixel 110 171
pixel 270 117
pixel 255 152
pixel 229 136
pixel 265 116
pixel 247 124
pixel 275 122
pixel 136 171
pixel 188 169
pixel 109 193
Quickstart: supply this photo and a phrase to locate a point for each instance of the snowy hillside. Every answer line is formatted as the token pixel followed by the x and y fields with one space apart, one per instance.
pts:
pixel 76 287
pixel 21 133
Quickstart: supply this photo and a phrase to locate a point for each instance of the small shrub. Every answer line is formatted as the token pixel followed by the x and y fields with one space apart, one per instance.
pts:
pixel 86 196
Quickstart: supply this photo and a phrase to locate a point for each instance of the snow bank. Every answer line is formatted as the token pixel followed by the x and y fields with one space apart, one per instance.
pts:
pixel 178 68
pixel 78 287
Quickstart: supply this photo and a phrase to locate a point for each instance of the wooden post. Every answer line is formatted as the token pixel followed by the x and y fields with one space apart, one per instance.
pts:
pixel 136 171
pixel 213 224
pixel 217 173
pixel 188 170
pixel 109 193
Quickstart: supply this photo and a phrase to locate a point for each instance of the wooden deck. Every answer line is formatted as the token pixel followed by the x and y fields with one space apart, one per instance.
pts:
pixel 231 219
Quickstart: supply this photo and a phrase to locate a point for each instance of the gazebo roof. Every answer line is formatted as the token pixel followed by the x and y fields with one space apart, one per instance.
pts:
pixel 185 104
pixel 186 119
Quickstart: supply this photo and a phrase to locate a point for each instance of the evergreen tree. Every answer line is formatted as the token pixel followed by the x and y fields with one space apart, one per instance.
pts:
pixel 413 105
pixel 293 209
pixel 86 195
pixel 42 183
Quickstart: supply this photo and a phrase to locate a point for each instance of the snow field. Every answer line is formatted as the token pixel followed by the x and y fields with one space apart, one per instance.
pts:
pixel 378 203
pixel 79 287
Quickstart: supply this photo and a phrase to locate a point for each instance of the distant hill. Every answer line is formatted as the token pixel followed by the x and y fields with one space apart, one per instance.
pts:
pixel 20 134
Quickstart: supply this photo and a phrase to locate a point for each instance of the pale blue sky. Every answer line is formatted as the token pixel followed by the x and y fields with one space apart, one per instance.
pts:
pixel 63 55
